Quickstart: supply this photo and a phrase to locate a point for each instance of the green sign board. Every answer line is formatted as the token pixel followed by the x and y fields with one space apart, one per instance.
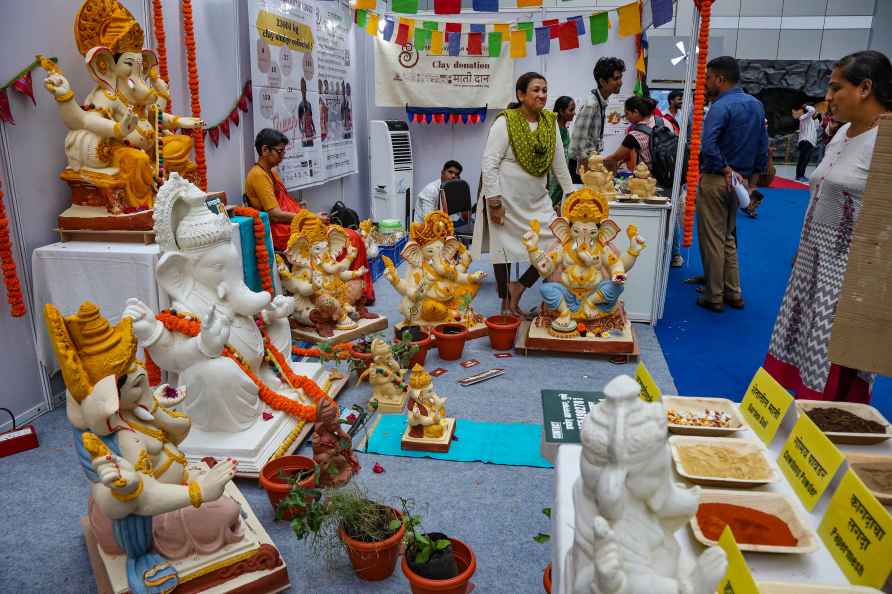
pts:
pixel 563 412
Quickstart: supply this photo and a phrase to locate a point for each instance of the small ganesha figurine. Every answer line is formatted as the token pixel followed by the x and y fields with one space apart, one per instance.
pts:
pixel 585 275
pixel 628 507
pixel 437 288
pixel 386 378
pixel 333 449
pixel 328 294
pixel 143 501
pixel 120 136
pixel 427 410
pixel 642 184
pixel 366 230
pixel 597 177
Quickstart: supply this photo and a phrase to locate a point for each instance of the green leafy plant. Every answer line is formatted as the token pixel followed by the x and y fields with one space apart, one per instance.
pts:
pixel 403 350
pixel 418 543
pixel 542 538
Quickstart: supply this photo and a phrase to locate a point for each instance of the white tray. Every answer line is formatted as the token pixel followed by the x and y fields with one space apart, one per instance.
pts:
pixel 743 446
pixel 865 411
pixel 776 504
pixel 694 404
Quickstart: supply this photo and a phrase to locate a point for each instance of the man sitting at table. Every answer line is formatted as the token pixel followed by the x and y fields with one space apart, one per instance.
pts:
pixel 264 190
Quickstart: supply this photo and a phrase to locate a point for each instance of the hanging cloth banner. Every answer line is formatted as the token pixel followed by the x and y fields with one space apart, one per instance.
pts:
pixel 440 81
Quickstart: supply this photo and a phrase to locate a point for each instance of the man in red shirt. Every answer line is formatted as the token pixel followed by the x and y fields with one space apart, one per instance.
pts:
pixel 264 190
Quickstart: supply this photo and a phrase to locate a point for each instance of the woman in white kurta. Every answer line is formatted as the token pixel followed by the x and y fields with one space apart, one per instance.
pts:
pixel 524 144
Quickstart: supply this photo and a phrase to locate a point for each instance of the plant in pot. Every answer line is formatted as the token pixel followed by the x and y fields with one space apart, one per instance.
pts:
pixel 370 531
pixel 451 338
pixel 433 562
pixel 279 476
pixel 418 340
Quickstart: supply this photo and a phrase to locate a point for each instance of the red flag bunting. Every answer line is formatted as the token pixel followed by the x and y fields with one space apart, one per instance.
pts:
pixel 243 104
pixel 447 6
pixel 214 133
pixel 224 127
pixel 5 111
pixel 453 27
pixel 234 117
pixel 553 27
pixel 402 35
pixel 247 91
pixel 475 44
pixel 568 35
pixel 23 86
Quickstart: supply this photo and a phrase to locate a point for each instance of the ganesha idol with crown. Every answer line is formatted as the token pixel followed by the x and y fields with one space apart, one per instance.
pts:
pixel 584 277
pixel 153 521
pixel 120 140
pixel 428 427
pixel 437 287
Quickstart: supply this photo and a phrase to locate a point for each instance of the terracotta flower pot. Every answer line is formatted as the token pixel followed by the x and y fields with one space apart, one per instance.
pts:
pixel 466 561
pixel 277 487
pixel 363 360
pixel 421 340
pixel 451 339
pixel 502 330
pixel 374 561
pixel 546 578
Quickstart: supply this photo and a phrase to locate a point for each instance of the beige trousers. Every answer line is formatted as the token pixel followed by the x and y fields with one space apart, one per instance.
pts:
pixel 717 235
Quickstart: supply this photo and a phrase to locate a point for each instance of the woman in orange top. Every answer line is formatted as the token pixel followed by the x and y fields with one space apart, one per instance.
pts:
pixel 264 190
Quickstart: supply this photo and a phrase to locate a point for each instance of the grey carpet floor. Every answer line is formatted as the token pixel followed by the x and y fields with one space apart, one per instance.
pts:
pixel 495 509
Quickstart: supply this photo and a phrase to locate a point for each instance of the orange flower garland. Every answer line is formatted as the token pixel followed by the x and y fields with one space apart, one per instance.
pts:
pixel 194 90
pixel 161 43
pixel 705 8
pixel 260 252
pixel 188 327
pixel 10 274
pixel 152 369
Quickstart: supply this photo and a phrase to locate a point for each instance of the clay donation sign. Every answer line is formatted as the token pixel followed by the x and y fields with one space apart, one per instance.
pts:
pixel 404 76
pixel 563 412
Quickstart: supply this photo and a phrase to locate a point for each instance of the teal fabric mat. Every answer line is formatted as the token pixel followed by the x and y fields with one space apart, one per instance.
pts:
pixel 510 444
pixel 249 260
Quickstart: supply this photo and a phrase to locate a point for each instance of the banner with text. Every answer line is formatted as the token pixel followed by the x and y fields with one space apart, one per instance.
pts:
pixel 403 76
pixel 302 57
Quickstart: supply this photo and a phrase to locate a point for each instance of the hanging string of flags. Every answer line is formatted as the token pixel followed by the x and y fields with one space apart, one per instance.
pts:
pixel 223 126
pixel 488 39
pixel 22 83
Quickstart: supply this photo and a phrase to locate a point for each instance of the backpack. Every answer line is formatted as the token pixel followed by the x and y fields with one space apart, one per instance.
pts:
pixel 663 150
pixel 343 216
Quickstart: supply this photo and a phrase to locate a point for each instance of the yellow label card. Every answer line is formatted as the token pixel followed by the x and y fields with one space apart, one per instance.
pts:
pixel 649 390
pixel 764 405
pixel 809 460
pixel 857 530
pixel 738 579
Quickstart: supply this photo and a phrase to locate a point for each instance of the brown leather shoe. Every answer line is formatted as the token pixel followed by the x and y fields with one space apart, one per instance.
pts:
pixel 713 307
pixel 735 303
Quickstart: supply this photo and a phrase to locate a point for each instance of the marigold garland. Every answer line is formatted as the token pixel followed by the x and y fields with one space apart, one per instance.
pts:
pixel 10 274
pixel 174 322
pixel 153 371
pixel 194 90
pixel 161 44
pixel 260 251
pixel 705 8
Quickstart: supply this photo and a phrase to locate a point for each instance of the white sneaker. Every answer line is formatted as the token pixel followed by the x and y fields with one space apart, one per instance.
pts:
pixel 677 261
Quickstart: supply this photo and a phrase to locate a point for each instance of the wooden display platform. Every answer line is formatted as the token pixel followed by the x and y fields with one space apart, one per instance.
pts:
pixel 537 338
pixel 308 334
pixel 390 406
pixel 237 569
pixel 143 237
pixel 430 445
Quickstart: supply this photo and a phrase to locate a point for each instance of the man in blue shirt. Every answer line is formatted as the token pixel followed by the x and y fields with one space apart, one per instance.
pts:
pixel 734 145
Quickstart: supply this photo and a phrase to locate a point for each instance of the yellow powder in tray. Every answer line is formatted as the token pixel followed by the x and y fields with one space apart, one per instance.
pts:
pixel 723 462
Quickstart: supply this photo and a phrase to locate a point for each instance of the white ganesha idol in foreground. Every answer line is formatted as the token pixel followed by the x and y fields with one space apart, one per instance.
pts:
pixel 628 508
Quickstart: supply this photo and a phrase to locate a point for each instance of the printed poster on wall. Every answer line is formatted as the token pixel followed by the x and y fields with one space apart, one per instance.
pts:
pixel 302 67
pixel 403 76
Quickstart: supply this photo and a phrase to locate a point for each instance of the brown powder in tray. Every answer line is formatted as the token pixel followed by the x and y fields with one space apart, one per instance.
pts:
pixel 876 475
pixel 842 421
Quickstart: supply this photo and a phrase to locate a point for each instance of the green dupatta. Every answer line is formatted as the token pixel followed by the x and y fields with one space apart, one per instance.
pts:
pixel 534 151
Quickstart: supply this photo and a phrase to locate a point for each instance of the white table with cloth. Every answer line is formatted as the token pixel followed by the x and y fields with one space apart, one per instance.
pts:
pixel 812 568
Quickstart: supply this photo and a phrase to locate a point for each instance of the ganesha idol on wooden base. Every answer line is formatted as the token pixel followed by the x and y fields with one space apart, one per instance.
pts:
pixel 584 277
pixel 120 140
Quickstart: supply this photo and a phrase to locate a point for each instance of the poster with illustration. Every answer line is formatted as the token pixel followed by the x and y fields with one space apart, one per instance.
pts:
pixel 301 67
pixel 616 125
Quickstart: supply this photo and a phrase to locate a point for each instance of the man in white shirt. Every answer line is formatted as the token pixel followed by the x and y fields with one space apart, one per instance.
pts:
pixel 808 137
pixel 429 198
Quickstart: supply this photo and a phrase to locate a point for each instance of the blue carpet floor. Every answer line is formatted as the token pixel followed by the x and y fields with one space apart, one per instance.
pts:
pixel 716 354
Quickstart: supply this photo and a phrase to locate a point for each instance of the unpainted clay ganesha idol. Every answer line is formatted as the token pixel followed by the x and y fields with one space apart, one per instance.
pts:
pixel 115 136
pixel 143 501
pixel 231 362
pixel 627 506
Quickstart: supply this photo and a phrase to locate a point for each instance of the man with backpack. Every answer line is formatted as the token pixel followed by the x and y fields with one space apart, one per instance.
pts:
pixel 734 146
